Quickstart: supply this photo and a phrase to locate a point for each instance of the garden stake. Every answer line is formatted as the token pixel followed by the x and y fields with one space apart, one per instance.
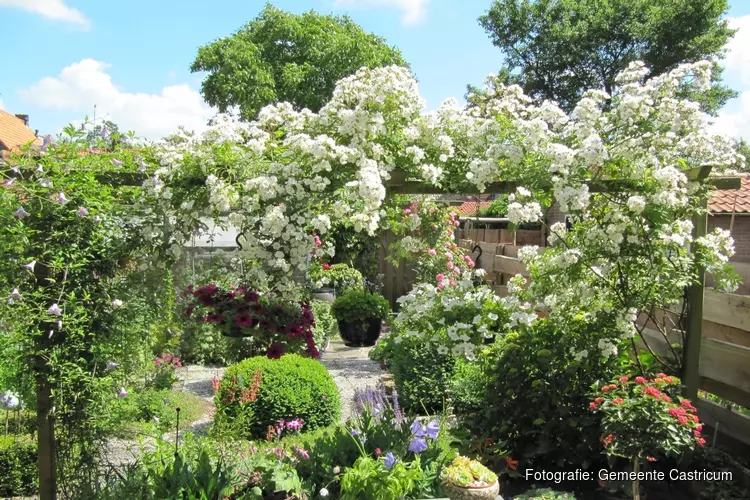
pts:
pixel 7 412
pixel 177 431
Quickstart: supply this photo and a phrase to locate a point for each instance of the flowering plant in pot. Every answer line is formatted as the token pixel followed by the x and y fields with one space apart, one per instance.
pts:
pixel 360 317
pixel 641 421
pixel 339 277
pixel 281 324
pixel 466 479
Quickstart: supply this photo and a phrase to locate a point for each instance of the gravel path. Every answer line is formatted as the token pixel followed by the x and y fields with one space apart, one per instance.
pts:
pixel 350 368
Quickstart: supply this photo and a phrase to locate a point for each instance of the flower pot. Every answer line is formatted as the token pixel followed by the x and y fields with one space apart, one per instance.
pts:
pixel 486 493
pixel 362 333
pixel 324 294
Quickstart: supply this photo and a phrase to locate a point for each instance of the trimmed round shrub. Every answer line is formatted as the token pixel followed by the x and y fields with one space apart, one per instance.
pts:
pixel 258 392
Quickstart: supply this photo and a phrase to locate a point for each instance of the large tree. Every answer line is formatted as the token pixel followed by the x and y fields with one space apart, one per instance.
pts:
pixel 280 56
pixel 559 48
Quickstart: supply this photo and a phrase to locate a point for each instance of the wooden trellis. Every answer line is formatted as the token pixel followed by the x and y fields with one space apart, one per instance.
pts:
pixel 400 184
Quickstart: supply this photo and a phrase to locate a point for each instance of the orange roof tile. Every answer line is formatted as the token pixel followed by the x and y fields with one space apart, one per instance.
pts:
pixel 470 208
pixel 731 200
pixel 14 133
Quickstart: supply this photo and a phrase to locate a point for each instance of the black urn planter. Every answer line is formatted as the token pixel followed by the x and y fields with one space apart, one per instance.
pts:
pixel 362 333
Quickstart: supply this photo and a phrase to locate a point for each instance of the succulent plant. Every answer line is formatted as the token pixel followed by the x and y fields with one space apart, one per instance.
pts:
pixel 467 473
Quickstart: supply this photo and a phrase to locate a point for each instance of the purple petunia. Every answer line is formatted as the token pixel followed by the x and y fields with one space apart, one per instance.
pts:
pixel 417 445
pixel 389 461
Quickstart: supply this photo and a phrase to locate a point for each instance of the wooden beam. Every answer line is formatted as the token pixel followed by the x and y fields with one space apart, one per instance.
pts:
pixel 695 294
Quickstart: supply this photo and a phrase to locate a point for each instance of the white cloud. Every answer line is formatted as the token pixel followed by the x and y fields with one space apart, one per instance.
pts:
pixel 735 121
pixel 84 84
pixel 52 9
pixel 413 11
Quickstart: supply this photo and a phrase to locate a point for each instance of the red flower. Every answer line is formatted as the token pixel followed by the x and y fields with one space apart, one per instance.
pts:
pixel 697 433
pixel 640 380
pixel 701 442
pixel 326 267
pixel 607 440
pixel 251 296
pixel 609 387
pixel 275 351
pixel 624 379
pixel 677 412
pixel 683 420
pixel 214 318
pixel 512 464
pixel 651 459
pixel 593 405
pixel 652 391
pixel 244 320
pixel 688 405
pixel 617 401
pixel 377 452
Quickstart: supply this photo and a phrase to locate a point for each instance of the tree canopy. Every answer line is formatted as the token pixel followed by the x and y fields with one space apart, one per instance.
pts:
pixel 280 56
pixel 557 49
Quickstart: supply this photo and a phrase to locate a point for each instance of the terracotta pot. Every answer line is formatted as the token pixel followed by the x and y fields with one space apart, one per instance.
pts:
pixel 486 493
pixel 362 333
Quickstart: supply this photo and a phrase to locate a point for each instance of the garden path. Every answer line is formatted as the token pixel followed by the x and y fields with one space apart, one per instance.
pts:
pixel 351 369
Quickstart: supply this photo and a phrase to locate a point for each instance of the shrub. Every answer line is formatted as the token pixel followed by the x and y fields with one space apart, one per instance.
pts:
pixel 468 387
pixel 537 399
pixel 146 409
pixel 258 392
pixel 340 277
pixel 18 474
pixel 356 306
pixel 422 375
pixel 325 323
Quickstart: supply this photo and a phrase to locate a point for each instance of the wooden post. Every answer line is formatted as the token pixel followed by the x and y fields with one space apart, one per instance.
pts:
pixel 45 423
pixel 695 292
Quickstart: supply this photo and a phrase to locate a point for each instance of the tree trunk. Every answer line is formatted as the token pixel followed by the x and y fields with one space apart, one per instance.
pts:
pixel 636 484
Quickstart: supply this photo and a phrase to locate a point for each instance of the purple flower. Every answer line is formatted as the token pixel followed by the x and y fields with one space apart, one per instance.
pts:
pixel 111 365
pixel 82 212
pixel 389 461
pixel 417 429
pixel 39 169
pixel 123 393
pixel 54 310
pixel 417 445
pixel 116 162
pixel 9 182
pixel 61 199
pixel 355 432
pixel 21 213
pixel 295 424
pixel 433 428
pixel 104 133
pixel 15 294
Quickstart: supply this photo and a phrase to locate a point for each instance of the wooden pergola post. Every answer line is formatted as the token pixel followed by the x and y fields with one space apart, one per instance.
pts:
pixel 695 294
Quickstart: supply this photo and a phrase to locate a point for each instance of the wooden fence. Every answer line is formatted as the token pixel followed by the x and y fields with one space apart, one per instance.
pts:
pixel 725 348
pixel 397 280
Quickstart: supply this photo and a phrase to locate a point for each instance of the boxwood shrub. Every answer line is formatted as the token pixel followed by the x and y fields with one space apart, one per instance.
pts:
pixel 259 392
pixel 18 474
pixel 422 375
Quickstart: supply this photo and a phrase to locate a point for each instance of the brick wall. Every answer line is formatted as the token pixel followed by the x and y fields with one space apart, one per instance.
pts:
pixel 740 233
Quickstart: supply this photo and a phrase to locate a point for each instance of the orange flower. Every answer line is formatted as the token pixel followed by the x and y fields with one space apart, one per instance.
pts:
pixel 512 464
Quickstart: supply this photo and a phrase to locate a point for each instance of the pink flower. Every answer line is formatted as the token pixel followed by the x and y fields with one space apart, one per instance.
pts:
pixel 407 211
pixel 450 265
pixel 448 255
pixel 432 251
pixel 440 277
pixel 441 285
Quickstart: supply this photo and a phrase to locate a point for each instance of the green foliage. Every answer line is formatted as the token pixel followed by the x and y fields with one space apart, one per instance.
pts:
pixel 325 323
pixel 498 208
pixel 258 392
pixel 340 277
pixel 368 479
pixel 464 473
pixel 545 494
pixel 147 410
pixel 559 49
pixel 468 387
pixel 536 401
pixel 422 375
pixel 284 57
pixel 18 458
pixel 355 306
pixel 197 472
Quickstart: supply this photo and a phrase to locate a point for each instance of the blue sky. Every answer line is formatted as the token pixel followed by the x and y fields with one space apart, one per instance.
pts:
pixel 131 59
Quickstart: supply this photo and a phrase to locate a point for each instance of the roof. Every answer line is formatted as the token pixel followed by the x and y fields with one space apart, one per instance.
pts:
pixel 470 208
pixel 14 133
pixel 731 200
